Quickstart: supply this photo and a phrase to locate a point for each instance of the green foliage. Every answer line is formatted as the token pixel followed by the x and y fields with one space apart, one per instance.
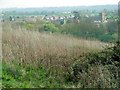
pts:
pixel 93 70
pixel 105 32
pixel 83 29
pixel 112 27
pixel 29 26
pixel 106 38
pixel 50 27
pixel 88 29
pixel 16 76
pixel 99 70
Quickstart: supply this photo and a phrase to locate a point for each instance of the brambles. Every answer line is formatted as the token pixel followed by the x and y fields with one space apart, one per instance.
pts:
pixel 99 70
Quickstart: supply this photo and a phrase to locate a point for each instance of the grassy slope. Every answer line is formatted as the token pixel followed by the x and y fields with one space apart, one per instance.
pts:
pixel 33 59
pixel 33 47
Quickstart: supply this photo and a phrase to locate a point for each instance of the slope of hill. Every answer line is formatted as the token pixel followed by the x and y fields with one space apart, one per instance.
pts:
pixel 42 60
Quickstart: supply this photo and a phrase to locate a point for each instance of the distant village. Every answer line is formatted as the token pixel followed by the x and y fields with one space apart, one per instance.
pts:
pixel 73 17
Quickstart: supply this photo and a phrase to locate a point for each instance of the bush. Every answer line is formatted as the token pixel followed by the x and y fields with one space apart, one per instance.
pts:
pixel 16 76
pixel 99 70
pixel 50 27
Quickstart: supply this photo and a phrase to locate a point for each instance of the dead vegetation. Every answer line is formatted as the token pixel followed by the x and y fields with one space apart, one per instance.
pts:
pixel 31 47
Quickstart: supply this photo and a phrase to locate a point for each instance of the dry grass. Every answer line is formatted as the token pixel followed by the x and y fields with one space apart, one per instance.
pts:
pixel 58 54
pixel 29 47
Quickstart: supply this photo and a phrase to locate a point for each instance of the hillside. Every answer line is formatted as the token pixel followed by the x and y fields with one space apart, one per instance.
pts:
pixel 30 45
pixel 24 52
pixel 43 54
pixel 41 60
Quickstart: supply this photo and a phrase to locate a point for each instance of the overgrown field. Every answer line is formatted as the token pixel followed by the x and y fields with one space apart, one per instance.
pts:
pixel 33 59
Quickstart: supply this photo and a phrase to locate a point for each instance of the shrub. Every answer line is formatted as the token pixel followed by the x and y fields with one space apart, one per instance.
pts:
pixel 50 27
pixel 99 70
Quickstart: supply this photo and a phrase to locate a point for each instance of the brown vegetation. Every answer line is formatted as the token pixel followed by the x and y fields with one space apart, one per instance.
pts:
pixel 30 47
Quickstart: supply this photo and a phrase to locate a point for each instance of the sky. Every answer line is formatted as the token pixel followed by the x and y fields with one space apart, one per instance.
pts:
pixel 52 3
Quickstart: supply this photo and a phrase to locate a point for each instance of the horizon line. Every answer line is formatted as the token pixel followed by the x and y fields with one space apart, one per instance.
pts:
pixel 55 6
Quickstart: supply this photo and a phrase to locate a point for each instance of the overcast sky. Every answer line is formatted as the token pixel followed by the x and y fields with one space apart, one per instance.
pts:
pixel 52 3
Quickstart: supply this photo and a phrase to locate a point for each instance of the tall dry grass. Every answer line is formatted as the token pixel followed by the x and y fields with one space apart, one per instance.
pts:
pixel 29 47
pixel 50 50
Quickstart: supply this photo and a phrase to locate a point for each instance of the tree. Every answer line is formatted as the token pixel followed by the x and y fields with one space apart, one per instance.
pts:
pixel 76 14
pixel 50 27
